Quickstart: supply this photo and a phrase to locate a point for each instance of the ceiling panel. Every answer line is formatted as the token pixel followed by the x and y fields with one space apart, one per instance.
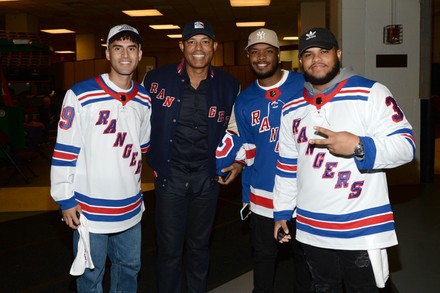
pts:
pixel 97 16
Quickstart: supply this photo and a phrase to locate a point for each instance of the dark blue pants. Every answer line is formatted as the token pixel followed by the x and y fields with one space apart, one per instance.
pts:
pixel 185 212
pixel 332 270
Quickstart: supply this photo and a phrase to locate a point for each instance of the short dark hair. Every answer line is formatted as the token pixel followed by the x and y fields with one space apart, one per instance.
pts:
pixel 126 35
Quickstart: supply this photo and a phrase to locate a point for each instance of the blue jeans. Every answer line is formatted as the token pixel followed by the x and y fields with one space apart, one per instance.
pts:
pixel 124 252
pixel 185 212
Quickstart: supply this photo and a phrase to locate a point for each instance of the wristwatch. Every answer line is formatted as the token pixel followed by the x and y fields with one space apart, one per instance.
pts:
pixel 359 151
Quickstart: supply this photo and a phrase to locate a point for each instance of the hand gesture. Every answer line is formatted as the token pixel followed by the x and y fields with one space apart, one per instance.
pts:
pixel 338 143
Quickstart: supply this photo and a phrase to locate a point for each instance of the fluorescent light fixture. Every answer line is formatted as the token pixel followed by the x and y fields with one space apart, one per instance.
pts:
pixel 290 38
pixel 21 41
pixel 164 26
pixel 142 12
pixel 175 36
pixel 58 31
pixel 250 24
pixel 9 0
pixel 64 52
pixel 244 3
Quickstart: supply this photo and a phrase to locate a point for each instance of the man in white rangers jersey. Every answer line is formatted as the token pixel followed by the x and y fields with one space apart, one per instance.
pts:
pixel 103 130
pixel 335 142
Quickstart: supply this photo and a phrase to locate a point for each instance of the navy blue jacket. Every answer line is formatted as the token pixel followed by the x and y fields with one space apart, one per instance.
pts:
pixel 165 87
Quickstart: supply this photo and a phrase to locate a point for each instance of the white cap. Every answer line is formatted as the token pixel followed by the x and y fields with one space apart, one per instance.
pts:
pixel 121 28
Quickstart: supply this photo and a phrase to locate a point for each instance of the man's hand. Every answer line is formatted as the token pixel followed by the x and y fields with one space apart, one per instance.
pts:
pixel 235 169
pixel 284 235
pixel 338 143
pixel 70 217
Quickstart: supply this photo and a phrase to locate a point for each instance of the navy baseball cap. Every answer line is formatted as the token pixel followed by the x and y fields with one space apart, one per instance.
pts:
pixel 317 37
pixel 197 27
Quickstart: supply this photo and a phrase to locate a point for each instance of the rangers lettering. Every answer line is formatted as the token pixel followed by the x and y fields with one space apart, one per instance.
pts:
pixel 111 128
pixel 310 149
pixel 295 125
pixel 256 117
pixel 343 178
pixel 120 138
pixel 127 151
pixel 133 159
pixel 328 171
pixel 139 167
pixel 161 94
pixel 103 116
pixel 154 87
pixel 356 189
pixel 212 112
pixel 265 126
pixel 319 159
pixel 274 134
pixel 302 136
pixel 221 116
pixel 168 101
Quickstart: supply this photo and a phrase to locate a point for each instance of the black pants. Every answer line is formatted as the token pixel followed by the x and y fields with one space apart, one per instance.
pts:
pixel 185 212
pixel 266 252
pixel 338 271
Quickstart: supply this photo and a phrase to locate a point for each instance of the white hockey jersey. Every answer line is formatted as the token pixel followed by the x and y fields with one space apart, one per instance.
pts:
pixel 342 203
pixel 97 160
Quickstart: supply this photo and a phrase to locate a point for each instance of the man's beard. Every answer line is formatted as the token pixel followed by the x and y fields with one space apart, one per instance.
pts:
pixel 265 75
pixel 327 78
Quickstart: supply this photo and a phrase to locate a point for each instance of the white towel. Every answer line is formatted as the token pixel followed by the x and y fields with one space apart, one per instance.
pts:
pixel 379 263
pixel 83 258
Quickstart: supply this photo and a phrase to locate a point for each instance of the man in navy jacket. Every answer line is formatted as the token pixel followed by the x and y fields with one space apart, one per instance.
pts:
pixel 192 103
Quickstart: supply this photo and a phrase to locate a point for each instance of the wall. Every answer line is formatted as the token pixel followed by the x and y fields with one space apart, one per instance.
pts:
pixel 69 73
pixel 361 37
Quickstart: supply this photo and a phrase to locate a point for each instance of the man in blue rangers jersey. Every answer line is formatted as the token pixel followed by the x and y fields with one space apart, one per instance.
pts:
pixel 103 130
pixel 257 113
pixel 335 142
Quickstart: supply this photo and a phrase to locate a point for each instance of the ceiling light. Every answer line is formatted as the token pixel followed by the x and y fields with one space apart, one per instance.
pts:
pixel 9 0
pixel 175 36
pixel 58 31
pixel 290 38
pixel 143 12
pixel 250 24
pixel 21 41
pixel 243 3
pixel 64 52
pixel 164 26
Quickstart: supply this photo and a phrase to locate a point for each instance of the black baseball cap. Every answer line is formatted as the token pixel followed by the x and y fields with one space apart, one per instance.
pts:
pixel 317 37
pixel 197 27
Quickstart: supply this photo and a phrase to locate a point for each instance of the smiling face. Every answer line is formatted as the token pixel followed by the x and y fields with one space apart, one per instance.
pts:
pixel 263 60
pixel 320 65
pixel 198 51
pixel 124 56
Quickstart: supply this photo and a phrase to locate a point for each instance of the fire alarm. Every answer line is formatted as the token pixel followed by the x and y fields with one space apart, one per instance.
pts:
pixel 393 34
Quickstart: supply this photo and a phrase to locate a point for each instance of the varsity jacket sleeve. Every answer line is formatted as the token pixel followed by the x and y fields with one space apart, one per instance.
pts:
pixel 65 155
pixel 388 141
pixel 285 188
pixel 145 131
